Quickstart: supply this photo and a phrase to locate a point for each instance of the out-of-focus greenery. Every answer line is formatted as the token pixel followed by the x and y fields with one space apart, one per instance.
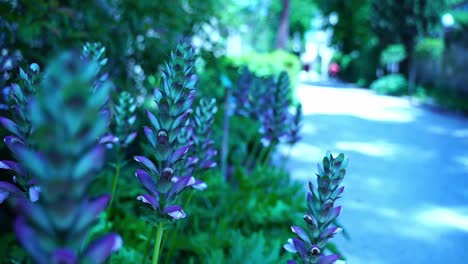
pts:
pixel 393 54
pixel 461 18
pixel 429 48
pixel 393 84
pixel 227 215
pixel 138 34
pixel 354 39
pixel 273 63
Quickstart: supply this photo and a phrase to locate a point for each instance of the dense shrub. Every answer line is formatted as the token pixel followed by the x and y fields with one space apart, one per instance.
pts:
pixel 393 84
pixel 264 64
pixel 429 48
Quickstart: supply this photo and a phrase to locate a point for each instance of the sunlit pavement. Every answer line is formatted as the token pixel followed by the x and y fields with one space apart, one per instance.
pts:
pixel 406 194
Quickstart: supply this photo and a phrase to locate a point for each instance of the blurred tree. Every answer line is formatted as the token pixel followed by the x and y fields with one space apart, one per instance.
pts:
pixel 352 37
pixel 404 21
pixel 282 34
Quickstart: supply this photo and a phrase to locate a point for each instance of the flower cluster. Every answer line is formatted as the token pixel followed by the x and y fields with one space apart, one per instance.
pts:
pixel 20 127
pixel 275 117
pixel 64 159
pixel 96 52
pixel 201 138
pixel 124 118
pixel 310 243
pixel 268 100
pixel 295 126
pixel 161 175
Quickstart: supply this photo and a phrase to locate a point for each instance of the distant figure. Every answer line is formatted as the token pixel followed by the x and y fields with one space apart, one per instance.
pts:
pixel 334 69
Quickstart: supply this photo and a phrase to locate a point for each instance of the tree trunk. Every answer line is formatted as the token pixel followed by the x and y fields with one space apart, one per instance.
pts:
pixel 283 29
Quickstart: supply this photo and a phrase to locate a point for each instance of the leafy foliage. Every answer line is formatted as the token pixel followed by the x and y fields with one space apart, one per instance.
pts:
pixel 393 84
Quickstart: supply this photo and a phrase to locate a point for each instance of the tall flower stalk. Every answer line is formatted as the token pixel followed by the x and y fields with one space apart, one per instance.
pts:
pixel 161 174
pixel 322 213
pixel 67 123
pixel 20 127
pixel 123 136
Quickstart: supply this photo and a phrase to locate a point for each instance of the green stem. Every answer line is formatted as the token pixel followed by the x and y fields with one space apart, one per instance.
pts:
pixel 115 182
pixel 147 246
pixel 157 243
pixel 175 231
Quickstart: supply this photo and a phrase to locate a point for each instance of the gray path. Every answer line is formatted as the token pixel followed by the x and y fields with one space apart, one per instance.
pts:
pixel 406 194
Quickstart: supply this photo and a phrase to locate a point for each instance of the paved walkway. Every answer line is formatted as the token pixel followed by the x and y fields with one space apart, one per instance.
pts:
pixel 406 194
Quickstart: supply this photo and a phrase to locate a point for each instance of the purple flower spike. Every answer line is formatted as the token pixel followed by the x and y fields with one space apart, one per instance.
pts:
pixel 175 212
pixel 64 256
pixel 291 262
pixel 101 249
pixel 319 219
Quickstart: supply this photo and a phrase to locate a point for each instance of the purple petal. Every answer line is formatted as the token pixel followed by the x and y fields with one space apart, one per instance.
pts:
pixel 28 239
pixel 334 213
pixel 34 193
pixel 147 181
pixel 11 165
pixel 329 232
pixel 291 262
pixel 10 126
pixel 147 163
pixel 175 212
pixel 7 189
pixel 65 256
pixel 328 259
pixel 180 185
pixel 301 233
pixel 33 161
pixel 101 249
pixel 154 121
pixel 208 165
pixel 13 143
pixel 178 154
pixel 199 185
pixel 150 136
pixel 91 161
pixel 290 246
pixel 108 139
pixel 148 199
pixel 300 247
pixel 130 138
pixel 93 209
